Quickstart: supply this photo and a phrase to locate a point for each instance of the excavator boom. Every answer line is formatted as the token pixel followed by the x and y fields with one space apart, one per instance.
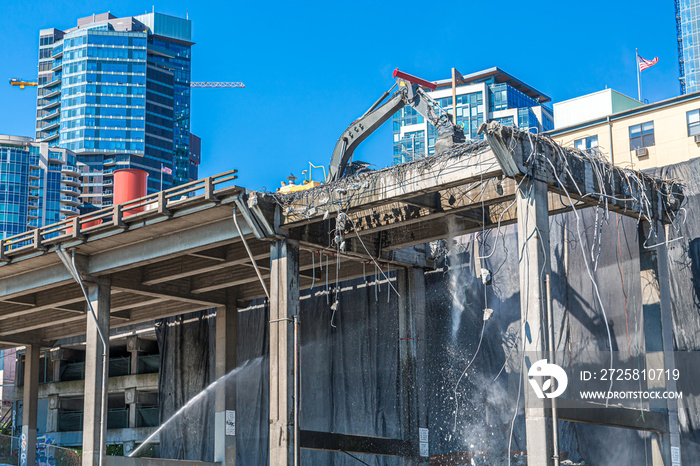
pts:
pixel 409 93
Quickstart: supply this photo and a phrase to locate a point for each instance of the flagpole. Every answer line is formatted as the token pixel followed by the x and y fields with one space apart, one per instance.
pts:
pixel 639 82
pixel 161 176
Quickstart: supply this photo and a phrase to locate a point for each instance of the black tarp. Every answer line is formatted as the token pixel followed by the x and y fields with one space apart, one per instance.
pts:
pixel 684 266
pixel 186 344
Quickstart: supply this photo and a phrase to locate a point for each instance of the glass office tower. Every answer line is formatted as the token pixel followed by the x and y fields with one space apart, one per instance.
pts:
pixel 116 91
pixel 489 95
pixel 688 31
pixel 39 185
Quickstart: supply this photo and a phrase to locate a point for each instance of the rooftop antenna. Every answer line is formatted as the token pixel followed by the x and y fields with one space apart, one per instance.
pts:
pixel 154 9
pixel 188 13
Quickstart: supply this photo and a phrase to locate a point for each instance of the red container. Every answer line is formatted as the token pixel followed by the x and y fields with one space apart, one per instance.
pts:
pixel 92 223
pixel 89 224
pixel 130 184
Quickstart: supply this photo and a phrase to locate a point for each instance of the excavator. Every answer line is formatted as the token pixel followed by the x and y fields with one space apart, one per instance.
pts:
pixel 409 91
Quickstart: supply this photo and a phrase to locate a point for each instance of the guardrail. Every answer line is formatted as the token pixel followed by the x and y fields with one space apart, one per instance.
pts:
pixel 118 216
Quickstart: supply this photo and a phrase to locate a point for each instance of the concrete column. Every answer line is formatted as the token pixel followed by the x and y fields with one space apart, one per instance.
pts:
pixel 225 407
pixel 284 305
pixel 94 431
pixel 132 346
pixel 658 334
pixel 57 363
pixel 130 398
pixel 414 414
pixel 29 407
pixel 52 414
pixel 534 260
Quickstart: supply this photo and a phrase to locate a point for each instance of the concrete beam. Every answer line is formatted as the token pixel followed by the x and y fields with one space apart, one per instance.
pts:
pixel 614 416
pixel 183 267
pixel 127 256
pixel 43 300
pixel 133 284
pixel 76 388
pixel 28 324
pixel 621 189
pixel 136 344
pixel 167 246
pixel 386 186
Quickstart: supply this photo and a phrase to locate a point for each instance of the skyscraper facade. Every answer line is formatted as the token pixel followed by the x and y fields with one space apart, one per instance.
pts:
pixel 489 95
pixel 116 92
pixel 39 185
pixel 688 31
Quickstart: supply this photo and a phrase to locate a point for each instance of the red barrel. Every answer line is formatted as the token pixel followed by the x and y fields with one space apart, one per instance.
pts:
pixel 130 184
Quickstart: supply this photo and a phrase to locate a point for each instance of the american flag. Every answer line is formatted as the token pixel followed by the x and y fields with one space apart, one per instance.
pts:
pixel 166 170
pixel 644 63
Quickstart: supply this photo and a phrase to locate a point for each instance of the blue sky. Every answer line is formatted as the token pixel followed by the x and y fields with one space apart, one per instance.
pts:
pixel 311 68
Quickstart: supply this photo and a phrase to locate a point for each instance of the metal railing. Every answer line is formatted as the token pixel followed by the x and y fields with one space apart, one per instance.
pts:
pixel 117 216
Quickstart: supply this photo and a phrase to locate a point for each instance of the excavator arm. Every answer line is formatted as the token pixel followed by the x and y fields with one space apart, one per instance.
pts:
pixel 409 93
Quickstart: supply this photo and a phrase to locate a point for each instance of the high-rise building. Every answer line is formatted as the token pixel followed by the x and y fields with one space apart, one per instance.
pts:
pixel 116 91
pixel 39 185
pixel 688 32
pixel 484 96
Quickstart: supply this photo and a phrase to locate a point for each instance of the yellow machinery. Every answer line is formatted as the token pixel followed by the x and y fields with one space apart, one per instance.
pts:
pixel 291 187
pixel 21 83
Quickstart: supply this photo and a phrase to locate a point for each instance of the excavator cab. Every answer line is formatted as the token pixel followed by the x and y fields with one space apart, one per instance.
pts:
pixel 409 92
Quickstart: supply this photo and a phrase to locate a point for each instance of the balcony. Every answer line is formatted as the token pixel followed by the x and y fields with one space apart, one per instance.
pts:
pixel 34 223
pixel 56 80
pixel 108 182
pixel 51 103
pixel 69 200
pixel 49 116
pixel 68 170
pixel 54 125
pixel 57 65
pixel 50 137
pixel 109 162
pixel 66 209
pixel 53 93
pixel 70 189
pixel 70 179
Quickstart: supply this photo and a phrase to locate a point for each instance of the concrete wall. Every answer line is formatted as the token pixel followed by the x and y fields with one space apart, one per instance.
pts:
pixel 672 143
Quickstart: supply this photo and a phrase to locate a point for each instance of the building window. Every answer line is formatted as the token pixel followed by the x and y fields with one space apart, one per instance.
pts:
pixel 642 135
pixel 586 143
pixel 693 117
